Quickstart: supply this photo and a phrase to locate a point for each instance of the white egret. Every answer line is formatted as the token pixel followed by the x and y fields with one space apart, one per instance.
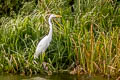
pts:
pixel 45 42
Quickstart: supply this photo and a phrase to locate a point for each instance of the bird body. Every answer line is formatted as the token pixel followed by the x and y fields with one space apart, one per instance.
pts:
pixel 45 42
pixel 42 46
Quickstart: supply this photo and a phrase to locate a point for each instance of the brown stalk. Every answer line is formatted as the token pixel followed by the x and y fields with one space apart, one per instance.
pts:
pixel 91 41
pixel 92 44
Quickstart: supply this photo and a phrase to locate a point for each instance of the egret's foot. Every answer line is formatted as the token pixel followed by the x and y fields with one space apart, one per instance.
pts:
pixel 49 72
pixel 45 65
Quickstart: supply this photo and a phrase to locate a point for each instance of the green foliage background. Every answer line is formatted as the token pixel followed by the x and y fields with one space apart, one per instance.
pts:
pixel 87 39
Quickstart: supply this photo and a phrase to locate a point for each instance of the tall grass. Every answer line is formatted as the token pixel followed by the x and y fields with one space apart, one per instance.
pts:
pixel 86 40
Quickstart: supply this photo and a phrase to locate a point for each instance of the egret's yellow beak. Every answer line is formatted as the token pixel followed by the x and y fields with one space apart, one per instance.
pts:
pixel 58 16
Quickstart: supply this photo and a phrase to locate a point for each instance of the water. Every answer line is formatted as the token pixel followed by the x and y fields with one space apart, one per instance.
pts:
pixel 52 77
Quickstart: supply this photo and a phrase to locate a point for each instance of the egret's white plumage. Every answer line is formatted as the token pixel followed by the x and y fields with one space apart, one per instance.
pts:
pixel 44 43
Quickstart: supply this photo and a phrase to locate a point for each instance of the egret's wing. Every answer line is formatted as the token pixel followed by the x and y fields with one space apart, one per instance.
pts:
pixel 41 47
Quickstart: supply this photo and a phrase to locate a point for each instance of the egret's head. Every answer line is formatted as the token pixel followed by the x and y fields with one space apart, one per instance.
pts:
pixel 54 15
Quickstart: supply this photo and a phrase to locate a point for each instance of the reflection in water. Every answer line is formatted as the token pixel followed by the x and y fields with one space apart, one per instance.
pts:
pixel 35 78
pixel 61 76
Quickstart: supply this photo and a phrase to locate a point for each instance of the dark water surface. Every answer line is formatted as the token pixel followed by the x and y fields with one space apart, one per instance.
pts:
pixel 52 77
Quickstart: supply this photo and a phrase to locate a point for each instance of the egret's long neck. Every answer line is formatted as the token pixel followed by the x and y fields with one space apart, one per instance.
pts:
pixel 50 31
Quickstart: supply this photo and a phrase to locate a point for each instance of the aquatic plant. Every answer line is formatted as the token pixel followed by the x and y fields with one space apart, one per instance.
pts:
pixel 86 40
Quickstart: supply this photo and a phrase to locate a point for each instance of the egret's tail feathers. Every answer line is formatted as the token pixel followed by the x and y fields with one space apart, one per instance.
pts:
pixel 35 56
pixel 34 62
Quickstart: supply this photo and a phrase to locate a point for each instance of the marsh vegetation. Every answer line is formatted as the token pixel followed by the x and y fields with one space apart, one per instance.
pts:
pixel 86 40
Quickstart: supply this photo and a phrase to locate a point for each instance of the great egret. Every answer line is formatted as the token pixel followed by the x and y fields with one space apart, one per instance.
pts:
pixel 45 42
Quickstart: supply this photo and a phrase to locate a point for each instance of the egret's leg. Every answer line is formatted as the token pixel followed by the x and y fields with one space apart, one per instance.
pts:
pixel 44 64
pixel 42 57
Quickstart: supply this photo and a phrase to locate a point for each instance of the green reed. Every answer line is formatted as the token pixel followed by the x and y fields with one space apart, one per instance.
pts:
pixel 87 38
